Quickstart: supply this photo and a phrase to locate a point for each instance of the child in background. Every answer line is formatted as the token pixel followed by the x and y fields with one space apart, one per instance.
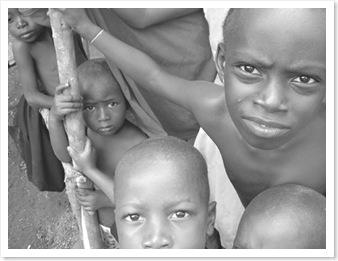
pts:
pixel 34 53
pixel 161 194
pixel 269 119
pixel 104 111
pixel 285 216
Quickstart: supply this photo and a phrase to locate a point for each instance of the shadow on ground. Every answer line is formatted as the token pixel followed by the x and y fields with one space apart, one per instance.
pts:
pixel 41 220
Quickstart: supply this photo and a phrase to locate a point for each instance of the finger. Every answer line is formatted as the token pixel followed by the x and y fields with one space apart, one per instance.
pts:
pixel 83 192
pixel 88 209
pixel 88 144
pixel 65 111
pixel 60 88
pixel 72 152
pixel 68 98
pixel 91 212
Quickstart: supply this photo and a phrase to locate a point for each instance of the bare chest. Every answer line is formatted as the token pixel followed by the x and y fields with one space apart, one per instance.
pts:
pixel 252 171
pixel 46 66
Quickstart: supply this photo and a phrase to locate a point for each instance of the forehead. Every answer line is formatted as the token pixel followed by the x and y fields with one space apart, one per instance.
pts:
pixel 160 179
pixel 292 36
pixel 99 87
pixel 13 11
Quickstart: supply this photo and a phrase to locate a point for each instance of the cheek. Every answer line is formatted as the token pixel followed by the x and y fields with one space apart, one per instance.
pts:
pixel 237 91
pixel 12 30
pixel 88 119
pixel 303 109
pixel 128 238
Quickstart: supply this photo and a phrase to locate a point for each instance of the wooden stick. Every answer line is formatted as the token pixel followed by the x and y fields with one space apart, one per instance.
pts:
pixel 65 55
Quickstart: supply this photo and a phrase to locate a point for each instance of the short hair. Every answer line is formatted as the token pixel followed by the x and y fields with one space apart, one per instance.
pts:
pixel 304 206
pixel 93 69
pixel 168 149
pixel 227 21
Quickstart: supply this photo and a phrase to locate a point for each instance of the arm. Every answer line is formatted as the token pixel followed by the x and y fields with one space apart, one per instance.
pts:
pixel 85 162
pixel 189 94
pixel 62 105
pixel 144 17
pixel 24 60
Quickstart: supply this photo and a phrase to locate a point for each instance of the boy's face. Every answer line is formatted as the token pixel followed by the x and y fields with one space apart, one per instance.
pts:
pixel 274 73
pixel 159 206
pixel 104 106
pixel 23 27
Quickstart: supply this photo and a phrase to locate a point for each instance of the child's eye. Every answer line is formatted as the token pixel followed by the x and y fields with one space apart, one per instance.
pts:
pixel 113 104
pixel 133 217
pixel 305 84
pixel 89 108
pixel 180 214
pixel 249 69
pixel 10 19
pixel 304 79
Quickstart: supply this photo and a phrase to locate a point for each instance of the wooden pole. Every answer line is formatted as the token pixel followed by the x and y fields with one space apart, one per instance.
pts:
pixel 65 55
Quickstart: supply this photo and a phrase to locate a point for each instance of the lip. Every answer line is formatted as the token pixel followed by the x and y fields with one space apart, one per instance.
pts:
pixel 27 35
pixel 265 128
pixel 106 129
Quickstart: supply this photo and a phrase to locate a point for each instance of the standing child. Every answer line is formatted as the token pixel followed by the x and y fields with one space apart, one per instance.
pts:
pixel 269 119
pixel 34 53
pixel 161 194
pixel 104 111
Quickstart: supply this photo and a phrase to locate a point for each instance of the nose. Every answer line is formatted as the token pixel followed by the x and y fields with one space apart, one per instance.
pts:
pixel 157 237
pixel 20 22
pixel 103 114
pixel 272 97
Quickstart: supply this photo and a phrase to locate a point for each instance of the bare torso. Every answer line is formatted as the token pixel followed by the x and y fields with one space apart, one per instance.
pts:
pixel 44 56
pixel 109 150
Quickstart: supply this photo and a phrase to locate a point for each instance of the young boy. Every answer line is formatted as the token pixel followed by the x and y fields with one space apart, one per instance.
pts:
pixel 161 194
pixel 285 216
pixel 104 111
pixel 34 54
pixel 270 126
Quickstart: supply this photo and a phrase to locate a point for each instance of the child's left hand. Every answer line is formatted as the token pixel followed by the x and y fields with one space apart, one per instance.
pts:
pixel 84 160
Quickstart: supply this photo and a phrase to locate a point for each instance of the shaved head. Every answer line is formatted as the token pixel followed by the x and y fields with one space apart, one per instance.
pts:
pixel 285 216
pixel 168 149
pixel 92 70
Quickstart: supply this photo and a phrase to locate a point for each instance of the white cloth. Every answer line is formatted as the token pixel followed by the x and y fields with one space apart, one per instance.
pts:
pixel 229 208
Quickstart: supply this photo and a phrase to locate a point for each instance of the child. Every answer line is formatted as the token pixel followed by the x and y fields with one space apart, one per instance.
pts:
pixel 270 128
pixel 34 54
pixel 104 111
pixel 285 216
pixel 161 194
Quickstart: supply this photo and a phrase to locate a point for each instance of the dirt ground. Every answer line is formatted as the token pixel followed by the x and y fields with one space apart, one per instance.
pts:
pixel 39 220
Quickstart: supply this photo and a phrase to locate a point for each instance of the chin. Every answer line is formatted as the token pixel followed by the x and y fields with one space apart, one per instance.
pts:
pixel 266 144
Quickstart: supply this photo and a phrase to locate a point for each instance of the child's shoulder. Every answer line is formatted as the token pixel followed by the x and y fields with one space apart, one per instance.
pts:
pixel 132 133
pixel 20 47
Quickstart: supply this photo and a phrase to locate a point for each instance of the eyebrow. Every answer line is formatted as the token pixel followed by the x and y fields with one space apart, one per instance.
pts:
pixel 258 58
pixel 308 66
pixel 89 102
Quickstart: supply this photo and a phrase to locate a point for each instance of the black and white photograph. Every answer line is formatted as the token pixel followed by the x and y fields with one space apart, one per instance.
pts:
pixel 108 102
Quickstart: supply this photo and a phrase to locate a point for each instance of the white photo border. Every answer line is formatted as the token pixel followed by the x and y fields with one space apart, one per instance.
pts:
pixel 330 125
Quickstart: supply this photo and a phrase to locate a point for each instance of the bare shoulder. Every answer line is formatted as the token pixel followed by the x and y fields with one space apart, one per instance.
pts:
pixel 132 135
pixel 208 102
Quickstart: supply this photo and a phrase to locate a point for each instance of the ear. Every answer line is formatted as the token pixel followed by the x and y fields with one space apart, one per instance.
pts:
pixel 211 218
pixel 220 60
